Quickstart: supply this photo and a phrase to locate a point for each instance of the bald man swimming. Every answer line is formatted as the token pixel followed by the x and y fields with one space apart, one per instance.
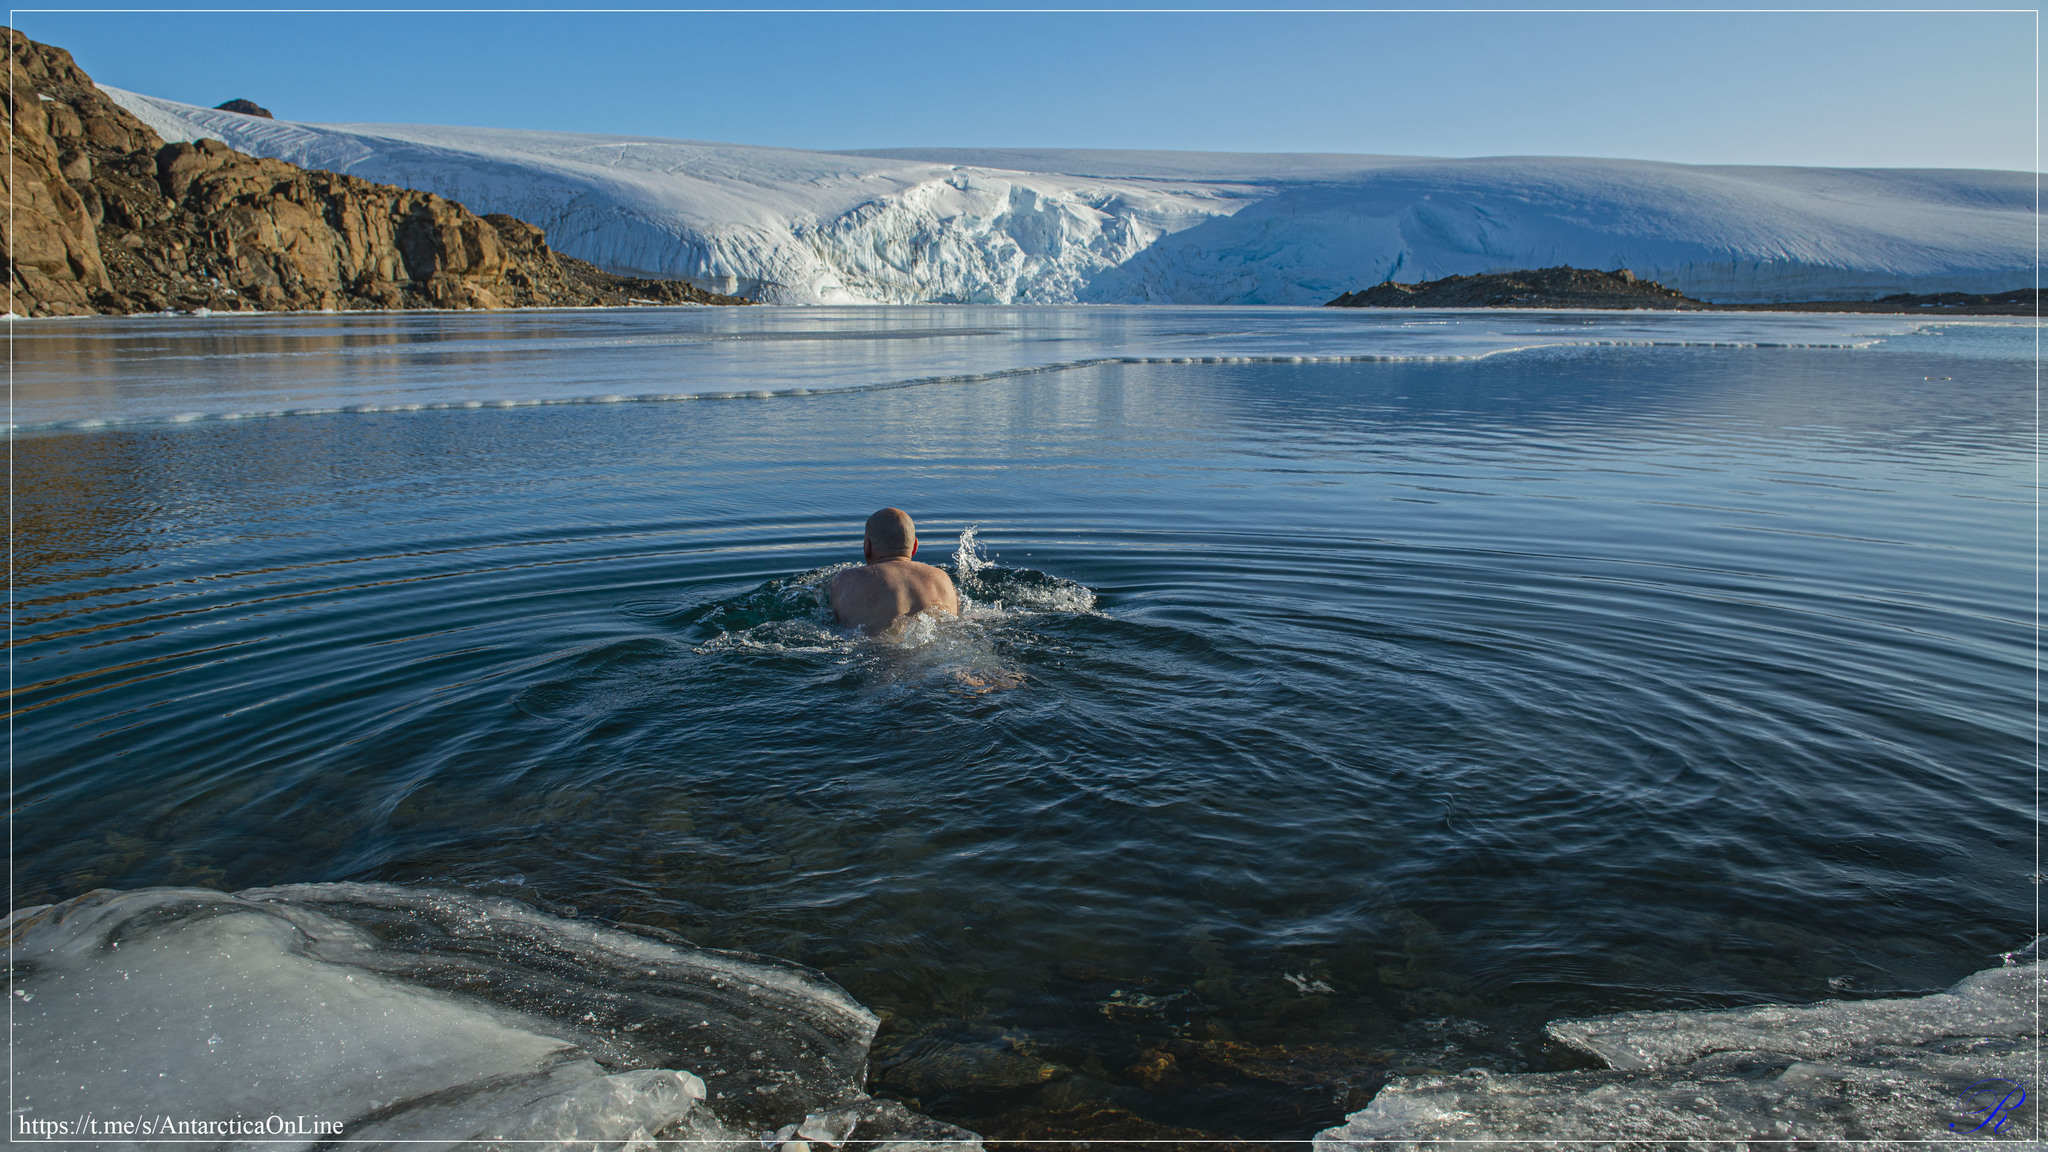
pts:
pixel 891 585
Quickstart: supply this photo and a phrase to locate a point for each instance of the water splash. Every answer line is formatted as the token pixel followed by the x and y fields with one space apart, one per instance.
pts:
pixel 968 558
pixel 990 590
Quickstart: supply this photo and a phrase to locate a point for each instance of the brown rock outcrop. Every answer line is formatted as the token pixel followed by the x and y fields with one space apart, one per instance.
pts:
pixel 53 257
pixel 108 218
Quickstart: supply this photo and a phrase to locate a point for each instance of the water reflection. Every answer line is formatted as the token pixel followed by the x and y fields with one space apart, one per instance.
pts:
pixel 1474 693
pixel 170 369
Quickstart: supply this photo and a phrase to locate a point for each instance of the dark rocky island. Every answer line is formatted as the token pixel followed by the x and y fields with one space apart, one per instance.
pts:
pixel 1566 287
pixel 246 108
pixel 1540 288
pixel 2019 302
pixel 107 218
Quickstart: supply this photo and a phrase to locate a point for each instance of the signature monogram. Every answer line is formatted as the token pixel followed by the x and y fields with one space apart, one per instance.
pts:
pixel 1994 1099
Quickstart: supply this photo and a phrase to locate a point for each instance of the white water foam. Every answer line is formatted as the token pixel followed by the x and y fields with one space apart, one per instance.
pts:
pixel 72 375
pixel 992 593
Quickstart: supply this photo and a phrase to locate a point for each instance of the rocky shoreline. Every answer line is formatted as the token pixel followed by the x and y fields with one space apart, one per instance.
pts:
pixel 1566 287
pixel 110 220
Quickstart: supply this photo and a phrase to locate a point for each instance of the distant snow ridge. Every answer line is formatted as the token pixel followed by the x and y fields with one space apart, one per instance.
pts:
pixel 1062 226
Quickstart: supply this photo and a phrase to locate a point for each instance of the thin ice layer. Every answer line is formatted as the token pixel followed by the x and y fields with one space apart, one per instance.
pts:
pixel 413 1015
pixel 781 1039
pixel 1876 1094
pixel 150 370
pixel 1873 1071
pixel 1998 1002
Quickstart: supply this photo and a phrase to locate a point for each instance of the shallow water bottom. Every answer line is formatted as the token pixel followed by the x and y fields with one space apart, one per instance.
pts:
pixel 1316 723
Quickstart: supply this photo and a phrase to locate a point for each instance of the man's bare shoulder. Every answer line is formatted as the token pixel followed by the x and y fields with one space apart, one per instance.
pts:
pixel 874 595
pixel 855 581
pixel 892 572
pixel 938 581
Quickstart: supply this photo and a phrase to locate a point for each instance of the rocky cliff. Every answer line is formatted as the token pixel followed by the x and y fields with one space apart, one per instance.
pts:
pixel 110 219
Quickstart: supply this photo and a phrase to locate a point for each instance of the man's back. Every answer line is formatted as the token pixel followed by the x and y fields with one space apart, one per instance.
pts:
pixel 890 585
pixel 876 595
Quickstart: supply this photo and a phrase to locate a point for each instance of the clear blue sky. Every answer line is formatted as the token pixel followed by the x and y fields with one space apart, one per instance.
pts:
pixel 1894 89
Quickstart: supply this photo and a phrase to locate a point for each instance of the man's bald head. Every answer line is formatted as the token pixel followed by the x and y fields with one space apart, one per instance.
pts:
pixel 891 534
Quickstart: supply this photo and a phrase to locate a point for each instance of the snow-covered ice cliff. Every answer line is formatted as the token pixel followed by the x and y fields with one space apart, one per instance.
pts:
pixel 1060 226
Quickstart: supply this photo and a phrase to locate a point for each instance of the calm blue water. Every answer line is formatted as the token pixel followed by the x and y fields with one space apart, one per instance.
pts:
pixel 1314 722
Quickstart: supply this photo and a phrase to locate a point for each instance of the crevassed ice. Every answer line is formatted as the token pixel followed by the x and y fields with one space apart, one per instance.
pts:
pixel 1060 226
pixel 420 1016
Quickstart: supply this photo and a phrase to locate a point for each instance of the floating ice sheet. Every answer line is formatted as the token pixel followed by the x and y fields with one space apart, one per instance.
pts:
pixel 429 1017
pixel 73 374
pixel 1877 1072
pixel 1881 1093
pixel 1995 1003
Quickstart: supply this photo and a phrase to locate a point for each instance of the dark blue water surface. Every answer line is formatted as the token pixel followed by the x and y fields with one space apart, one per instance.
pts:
pixel 1313 722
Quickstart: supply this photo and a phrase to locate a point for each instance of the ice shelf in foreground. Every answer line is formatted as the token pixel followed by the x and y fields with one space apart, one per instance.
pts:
pixel 428 1017
pixel 1877 1072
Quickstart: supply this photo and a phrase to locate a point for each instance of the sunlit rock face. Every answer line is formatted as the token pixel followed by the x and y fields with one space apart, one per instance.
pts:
pixel 1884 1073
pixel 104 217
pixel 380 1013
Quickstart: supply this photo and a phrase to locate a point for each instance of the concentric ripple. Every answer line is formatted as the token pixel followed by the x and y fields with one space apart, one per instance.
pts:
pixel 1304 723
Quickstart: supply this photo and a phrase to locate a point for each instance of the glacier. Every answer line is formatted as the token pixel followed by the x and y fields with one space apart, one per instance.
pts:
pixel 1057 226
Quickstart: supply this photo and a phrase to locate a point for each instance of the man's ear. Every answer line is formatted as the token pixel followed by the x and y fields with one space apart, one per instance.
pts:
pixel 867 551
pixel 913 549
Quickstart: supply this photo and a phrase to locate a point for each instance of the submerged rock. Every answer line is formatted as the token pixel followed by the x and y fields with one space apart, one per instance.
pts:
pixel 378 1013
pixel 931 1066
pixel 1872 1071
